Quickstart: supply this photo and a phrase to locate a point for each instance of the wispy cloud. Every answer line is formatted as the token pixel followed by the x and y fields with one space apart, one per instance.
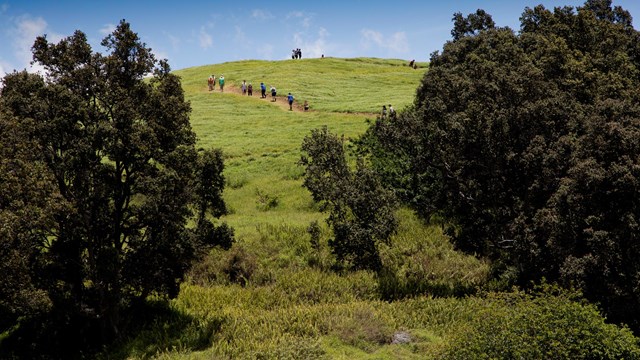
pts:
pixel 107 29
pixel 260 14
pixel 240 38
pixel 206 41
pixel 174 41
pixel 304 18
pixel 396 43
pixel 3 70
pixel 24 33
pixel 3 8
pixel 314 47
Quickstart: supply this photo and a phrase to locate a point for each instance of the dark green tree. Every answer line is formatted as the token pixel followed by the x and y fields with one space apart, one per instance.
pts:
pixel 27 199
pixel 361 209
pixel 472 24
pixel 111 136
pixel 528 145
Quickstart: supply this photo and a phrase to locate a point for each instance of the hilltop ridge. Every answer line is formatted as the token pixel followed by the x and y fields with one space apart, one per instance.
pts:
pixel 352 85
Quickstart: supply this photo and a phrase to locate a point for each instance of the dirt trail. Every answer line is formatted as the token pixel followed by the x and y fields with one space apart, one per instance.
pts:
pixel 281 101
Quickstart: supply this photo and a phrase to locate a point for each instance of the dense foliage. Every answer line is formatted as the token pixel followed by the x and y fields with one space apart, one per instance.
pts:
pixel 99 178
pixel 528 145
pixel 547 324
pixel 361 210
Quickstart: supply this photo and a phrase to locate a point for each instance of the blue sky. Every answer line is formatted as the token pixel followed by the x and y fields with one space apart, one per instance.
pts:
pixel 192 33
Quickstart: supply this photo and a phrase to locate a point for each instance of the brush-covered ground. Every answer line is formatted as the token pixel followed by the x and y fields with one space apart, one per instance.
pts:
pixel 276 294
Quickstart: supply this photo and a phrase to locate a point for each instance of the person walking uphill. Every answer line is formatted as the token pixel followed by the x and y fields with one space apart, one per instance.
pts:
pixel 211 81
pixel 221 81
pixel 273 93
pixel 263 89
pixel 290 98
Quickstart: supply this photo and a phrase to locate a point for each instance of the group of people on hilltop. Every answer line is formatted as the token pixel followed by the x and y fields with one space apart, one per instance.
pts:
pixel 296 54
pixel 247 89
pixel 390 112
pixel 212 82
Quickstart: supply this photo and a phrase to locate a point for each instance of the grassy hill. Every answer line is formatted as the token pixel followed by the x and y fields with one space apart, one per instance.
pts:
pixel 274 296
pixel 261 141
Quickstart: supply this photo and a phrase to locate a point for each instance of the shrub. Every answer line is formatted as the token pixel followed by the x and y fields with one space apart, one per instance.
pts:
pixel 545 325
pixel 239 265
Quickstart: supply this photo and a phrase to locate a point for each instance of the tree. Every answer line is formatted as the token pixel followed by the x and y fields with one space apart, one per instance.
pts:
pixel 528 145
pixel 361 210
pixel 472 24
pixel 112 135
pixel 26 201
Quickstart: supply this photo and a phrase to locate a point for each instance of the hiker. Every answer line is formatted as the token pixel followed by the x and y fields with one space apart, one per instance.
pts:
pixel 250 90
pixel 244 87
pixel 211 81
pixel 392 112
pixel 299 54
pixel 384 112
pixel 411 63
pixel 306 105
pixel 263 88
pixel 290 99
pixel 273 93
pixel 221 81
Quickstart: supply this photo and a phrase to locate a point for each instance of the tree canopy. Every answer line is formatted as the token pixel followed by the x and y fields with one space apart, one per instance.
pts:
pixel 528 144
pixel 103 177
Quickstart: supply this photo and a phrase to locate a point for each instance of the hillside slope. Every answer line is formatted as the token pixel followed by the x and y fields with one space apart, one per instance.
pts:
pixel 275 296
pixel 261 141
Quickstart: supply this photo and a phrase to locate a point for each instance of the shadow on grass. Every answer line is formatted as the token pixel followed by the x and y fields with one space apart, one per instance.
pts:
pixel 148 328
pixel 392 287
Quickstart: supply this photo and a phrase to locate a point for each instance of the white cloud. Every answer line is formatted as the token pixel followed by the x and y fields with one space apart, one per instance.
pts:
pixel 312 48
pixel 261 14
pixel 240 38
pixel 3 70
pixel 107 29
pixel 399 42
pixel 305 18
pixel 369 36
pixel 396 43
pixel 206 41
pixel 174 41
pixel 159 55
pixel 24 34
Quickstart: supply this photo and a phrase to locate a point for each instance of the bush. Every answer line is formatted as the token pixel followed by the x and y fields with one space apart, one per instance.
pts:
pixel 545 325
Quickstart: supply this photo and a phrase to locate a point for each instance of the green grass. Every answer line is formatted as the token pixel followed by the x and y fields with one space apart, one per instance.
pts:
pixel 273 295
pixel 360 85
pixel 261 141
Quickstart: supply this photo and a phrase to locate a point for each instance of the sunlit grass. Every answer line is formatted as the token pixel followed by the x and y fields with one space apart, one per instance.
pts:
pixel 261 141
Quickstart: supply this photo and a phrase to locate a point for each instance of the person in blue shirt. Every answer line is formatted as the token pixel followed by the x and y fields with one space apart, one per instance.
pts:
pixel 263 88
pixel 290 99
